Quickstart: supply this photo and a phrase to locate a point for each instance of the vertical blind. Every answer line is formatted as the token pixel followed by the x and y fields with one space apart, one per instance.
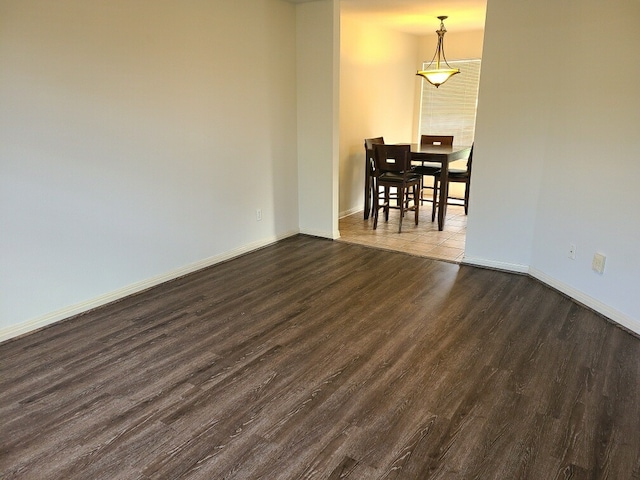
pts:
pixel 451 108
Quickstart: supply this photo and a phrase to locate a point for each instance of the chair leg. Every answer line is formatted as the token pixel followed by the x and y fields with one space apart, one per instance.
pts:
pixel 401 191
pixel 376 208
pixel 416 202
pixel 435 196
pixel 466 197
pixel 387 202
pixel 374 192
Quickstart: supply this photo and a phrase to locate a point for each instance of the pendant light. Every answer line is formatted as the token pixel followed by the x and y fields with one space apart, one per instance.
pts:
pixel 437 76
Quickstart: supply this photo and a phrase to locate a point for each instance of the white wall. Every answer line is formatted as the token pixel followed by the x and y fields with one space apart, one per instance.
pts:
pixel 123 128
pixel 377 96
pixel 318 44
pixel 557 159
pixel 122 122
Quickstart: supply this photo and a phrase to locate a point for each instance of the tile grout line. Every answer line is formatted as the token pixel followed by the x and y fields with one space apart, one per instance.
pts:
pixel 428 242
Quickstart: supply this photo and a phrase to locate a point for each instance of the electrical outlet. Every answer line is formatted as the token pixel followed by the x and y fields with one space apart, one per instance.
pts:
pixel 598 263
pixel 258 214
pixel 572 251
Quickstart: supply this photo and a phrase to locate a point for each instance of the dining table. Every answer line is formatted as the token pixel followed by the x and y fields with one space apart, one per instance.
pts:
pixel 421 154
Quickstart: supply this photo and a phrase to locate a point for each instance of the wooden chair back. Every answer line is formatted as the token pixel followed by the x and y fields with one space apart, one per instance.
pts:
pixel 393 170
pixel 368 147
pixel 436 140
pixel 470 161
pixel 392 158
pixel 369 142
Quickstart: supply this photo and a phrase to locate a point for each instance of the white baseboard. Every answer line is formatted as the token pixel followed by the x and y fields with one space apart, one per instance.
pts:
pixel 508 267
pixel 351 211
pixel 48 319
pixel 580 297
pixel 321 233
pixel 588 301
pixel 67 312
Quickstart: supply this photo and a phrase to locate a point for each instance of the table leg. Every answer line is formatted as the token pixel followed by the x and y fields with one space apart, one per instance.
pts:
pixel 444 194
pixel 367 188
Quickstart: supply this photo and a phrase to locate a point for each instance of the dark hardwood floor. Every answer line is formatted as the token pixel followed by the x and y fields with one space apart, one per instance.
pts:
pixel 320 359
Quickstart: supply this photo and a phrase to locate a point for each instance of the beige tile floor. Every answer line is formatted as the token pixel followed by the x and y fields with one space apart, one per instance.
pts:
pixel 422 240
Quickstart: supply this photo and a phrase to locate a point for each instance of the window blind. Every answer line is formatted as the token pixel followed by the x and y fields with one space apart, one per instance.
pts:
pixel 451 108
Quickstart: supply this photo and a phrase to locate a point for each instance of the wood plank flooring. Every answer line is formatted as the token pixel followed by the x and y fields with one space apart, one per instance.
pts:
pixel 319 359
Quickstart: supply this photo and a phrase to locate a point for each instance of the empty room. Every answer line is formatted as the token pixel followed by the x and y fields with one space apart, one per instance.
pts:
pixel 160 320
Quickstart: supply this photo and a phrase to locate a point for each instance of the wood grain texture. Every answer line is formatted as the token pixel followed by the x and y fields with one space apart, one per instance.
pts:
pixel 294 362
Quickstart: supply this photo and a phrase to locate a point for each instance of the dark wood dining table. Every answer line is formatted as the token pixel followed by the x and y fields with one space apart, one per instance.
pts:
pixel 441 154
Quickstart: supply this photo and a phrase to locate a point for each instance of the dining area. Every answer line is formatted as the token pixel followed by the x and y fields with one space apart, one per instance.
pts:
pixel 408 205
pixel 401 166
pixel 410 184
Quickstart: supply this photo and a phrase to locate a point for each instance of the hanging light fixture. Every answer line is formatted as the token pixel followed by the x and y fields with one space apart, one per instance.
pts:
pixel 437 76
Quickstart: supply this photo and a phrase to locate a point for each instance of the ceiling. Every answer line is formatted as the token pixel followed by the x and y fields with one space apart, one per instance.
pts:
pixel 418 17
